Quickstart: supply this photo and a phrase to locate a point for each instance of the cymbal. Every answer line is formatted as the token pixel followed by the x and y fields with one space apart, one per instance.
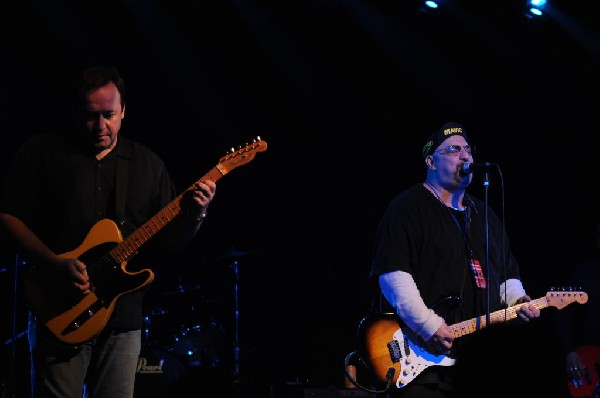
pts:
pixel 181 289
pixel 233 253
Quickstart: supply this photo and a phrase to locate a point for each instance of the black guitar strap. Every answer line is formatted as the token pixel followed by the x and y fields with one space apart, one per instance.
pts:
pixel 123 157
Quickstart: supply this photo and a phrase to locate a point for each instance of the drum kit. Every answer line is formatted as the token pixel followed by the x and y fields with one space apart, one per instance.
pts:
pixel 184 323
pixel 190 323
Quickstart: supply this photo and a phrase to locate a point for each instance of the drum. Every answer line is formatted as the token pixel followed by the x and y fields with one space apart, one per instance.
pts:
pixel 156 325
pixel 200 344
pixel 179 312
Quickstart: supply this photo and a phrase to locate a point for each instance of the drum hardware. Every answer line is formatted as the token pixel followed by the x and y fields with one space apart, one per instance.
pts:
pixel 182 289
pixel 150 319
pixel 199 345
pixel 237 335
pixel 234 255
pixel 191 335
pixel 184 327
pixel 9 386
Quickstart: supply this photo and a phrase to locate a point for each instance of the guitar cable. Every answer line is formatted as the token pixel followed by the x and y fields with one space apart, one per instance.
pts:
pixel 389 377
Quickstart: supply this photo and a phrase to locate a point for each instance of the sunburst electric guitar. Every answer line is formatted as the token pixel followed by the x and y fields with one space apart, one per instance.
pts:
pixel 395 354
pixel 74 320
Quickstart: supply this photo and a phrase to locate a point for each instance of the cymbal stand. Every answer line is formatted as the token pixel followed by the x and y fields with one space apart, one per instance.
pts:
pixel 237 331
pixel 9 389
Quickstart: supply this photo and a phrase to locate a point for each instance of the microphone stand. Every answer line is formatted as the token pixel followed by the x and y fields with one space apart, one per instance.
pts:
pixel 486 185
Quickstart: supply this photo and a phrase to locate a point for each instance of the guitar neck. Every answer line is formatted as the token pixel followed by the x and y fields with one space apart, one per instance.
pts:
pixel 475 324
pixel 233 159
pixel 133 242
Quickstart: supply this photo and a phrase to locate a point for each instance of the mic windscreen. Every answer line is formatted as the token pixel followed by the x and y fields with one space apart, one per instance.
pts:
pixel 468 168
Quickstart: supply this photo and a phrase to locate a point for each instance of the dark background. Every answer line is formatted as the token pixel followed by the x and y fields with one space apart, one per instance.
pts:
pixel 344 93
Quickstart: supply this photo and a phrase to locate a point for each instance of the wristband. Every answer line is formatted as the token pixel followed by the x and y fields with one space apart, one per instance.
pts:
pixel 200 218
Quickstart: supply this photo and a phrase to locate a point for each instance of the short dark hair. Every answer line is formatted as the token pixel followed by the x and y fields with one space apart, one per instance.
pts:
pixel 94 77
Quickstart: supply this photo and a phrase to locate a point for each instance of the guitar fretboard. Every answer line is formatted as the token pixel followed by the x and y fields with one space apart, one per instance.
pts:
pixel 133 242
pixel 558 299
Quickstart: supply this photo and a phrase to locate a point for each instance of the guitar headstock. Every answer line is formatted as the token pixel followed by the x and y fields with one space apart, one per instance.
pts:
pixel 561 299
pixel 242 155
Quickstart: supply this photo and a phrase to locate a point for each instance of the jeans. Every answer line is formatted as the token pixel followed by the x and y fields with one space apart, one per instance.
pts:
pixel 104 367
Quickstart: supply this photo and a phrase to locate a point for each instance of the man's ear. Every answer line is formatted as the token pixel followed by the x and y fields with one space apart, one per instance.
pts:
pixel 429 162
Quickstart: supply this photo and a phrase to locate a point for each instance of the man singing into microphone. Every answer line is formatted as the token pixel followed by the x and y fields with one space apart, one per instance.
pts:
pixel 429 262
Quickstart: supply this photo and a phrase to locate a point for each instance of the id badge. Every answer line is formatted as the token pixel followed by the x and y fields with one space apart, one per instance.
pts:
pixel 477 273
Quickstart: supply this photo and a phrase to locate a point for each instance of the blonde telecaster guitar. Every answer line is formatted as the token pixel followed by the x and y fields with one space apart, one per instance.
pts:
pixel 74 320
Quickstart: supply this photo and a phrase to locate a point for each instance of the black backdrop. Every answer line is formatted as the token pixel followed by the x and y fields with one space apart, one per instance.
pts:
pixel 344 93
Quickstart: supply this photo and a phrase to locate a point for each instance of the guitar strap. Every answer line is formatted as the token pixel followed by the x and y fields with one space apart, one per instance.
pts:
pixel 124 153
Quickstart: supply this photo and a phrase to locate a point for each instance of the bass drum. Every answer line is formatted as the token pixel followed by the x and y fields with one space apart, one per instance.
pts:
pixel 200 345
pixel 157 371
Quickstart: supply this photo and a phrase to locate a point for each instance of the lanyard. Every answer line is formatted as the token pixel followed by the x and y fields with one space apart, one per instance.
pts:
pixel 474 263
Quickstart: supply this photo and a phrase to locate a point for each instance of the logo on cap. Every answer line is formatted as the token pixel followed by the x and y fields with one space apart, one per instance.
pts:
pixel 453 130
pixel 427 147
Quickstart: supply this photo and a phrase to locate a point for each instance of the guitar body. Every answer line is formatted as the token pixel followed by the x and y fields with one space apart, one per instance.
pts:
pixel 590 356
pixel 387 346
pixel 375 333
pixel 72 320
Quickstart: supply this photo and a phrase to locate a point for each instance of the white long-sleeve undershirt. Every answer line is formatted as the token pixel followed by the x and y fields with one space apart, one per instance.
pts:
pixel 399 288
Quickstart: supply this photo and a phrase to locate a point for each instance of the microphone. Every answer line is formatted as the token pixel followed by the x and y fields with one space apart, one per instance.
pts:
pixel 468 168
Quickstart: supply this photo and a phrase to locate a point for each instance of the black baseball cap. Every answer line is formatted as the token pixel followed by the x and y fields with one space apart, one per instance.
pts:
pixel 447 130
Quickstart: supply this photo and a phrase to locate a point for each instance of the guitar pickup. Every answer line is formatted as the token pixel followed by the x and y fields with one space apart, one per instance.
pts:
pixel 85 316
pixel 394 349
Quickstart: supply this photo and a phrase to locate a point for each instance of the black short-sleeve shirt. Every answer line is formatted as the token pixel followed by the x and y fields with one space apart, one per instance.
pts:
pixel 61 191
pixel 419 235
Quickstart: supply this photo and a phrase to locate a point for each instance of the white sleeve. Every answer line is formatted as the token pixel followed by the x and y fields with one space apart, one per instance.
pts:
pixel 514 291
pixel 400 290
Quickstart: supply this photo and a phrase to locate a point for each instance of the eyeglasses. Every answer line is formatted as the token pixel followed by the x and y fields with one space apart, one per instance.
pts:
pixel 455 149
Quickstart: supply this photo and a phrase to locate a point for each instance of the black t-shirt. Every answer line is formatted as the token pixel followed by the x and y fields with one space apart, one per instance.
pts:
pixel 421 236
pixel 60 191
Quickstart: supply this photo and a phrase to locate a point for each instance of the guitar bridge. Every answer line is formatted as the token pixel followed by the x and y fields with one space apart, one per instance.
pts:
pixel 394 349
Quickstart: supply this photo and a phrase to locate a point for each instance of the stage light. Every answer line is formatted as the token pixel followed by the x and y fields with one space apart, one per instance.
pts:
pixel 535 8
pixel 429 5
